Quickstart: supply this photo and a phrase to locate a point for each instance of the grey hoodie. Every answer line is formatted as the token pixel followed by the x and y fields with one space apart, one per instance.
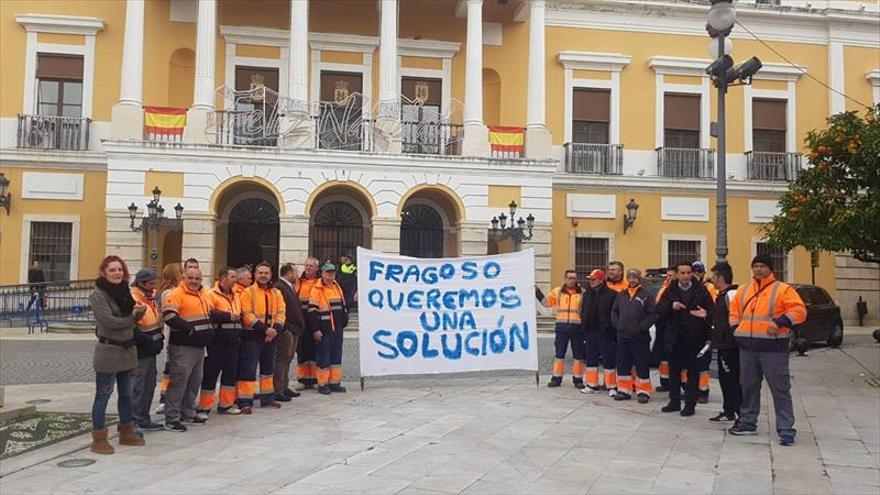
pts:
pixel 633 316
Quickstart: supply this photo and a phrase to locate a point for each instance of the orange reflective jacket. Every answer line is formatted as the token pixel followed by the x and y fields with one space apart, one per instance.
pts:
pixel 194 308
pixel 225 303
pixel 759 302
pixel 150 322
pixel 264 305
pixel 568 307
pixel 618 286
pixel 327 307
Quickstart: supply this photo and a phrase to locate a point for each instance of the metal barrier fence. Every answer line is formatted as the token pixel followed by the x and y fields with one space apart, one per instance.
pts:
pixel 44 303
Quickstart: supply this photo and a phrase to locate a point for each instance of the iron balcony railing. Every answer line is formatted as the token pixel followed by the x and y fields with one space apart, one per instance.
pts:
pixel 245 127
pixel 61 301
pixel 50 132
pixel 431 138
pixel 685 162
pixel 766 165
pixel 591 158
pixel 335 134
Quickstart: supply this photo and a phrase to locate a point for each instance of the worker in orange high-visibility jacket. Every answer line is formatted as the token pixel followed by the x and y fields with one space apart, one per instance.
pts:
pixel 705 361
pixel 568 301
pixel 762 316
pixel 223 353
pixel 262 315
pixel 150 340
pixel 186 311
pixel 632 315
pixel 329 316
pixel 616 280
pixel 307 347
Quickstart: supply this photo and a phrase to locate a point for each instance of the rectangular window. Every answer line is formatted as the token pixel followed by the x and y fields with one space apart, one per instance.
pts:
pixel 778 256
pixel 768 125
pixel 340 125
pixel 50 244
pixel 591 116
pixel 590 253
pixel 681 120
pixel 680 251
pixel 59 85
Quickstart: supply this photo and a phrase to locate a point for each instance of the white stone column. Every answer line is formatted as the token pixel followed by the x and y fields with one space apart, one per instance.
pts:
pixel 386 234
pixel 836 101
pixel 293 245
pixel 476 135
pixel 296 126
pixel 473 238
pixel 198 242
pixel 388 123
pixel 203 93
pixel 127 115
pixel 537 134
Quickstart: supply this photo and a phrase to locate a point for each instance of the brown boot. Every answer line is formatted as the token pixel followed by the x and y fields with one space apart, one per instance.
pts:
pixel 127 435
pixel 100 445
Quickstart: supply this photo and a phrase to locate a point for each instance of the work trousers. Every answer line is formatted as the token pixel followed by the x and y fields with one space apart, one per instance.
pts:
pixel 683 357
pixel 287 342
pixel 185 367
pixel 221 362
pixel 103 390
pixel 754 366
pixel 562 342
pixel 705 363
pixel 305 359
pixel 143 389
pixel 728 377
pixel 630 355
pixel 329 359
pixel 256 352
pixel 600 348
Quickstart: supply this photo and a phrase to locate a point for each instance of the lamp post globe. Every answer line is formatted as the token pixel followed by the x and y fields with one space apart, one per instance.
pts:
pixel 722 15
pixel 713 47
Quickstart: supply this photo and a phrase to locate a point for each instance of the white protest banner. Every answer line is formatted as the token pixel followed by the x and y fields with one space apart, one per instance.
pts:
pixel 446 315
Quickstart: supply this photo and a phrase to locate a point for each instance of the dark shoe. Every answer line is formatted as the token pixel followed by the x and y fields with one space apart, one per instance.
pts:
pixel 282 398
pixel 291 393
pixel 247 410
pixel 324 390
pixel 723 418
pixel 689 409
pixel 643 398
pixel 555 381
pixel 149 426
pixel 622 396
pixel 335 387
pixel 100 445
pixel 195 420
pixel 786 439
pixel 127 435
pixel 272 405
pixel 306 386
pixel 662 388
pixel 176 427
pixel 671 407
pixel 579 385
pixel 742 429
pixel 702 399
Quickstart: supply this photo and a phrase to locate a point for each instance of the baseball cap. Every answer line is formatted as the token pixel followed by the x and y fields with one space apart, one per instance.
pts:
pixel 597 273
pixel 144 275
pixel 328 267
pixel 698 266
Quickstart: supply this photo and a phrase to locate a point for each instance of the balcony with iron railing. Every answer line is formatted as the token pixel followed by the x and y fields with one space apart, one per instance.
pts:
pixel 592 158
pixel 52 132
pixel 685 162
pixel 773 166
pixel 431 138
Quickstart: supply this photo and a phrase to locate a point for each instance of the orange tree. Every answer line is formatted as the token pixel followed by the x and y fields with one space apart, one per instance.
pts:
pixel 834 204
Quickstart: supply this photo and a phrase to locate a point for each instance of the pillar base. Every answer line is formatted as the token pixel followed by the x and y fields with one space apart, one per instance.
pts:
pixel 297 131
pixel 196 130
pixel 538 143
pixel 388 137
pixel 476 140
pixel 127 122
pixel 386 235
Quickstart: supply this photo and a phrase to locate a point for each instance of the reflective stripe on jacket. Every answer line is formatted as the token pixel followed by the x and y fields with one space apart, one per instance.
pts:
pixel 760 302
pixel 192 307
pixel 304 290
pixel 264 305
pixel 150 322
pixel 327 307
pixel 568 307
pixel 225 303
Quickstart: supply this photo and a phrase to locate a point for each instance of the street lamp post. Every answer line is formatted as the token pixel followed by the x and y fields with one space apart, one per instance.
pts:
pixel 517 229
pixel 154 221
pixel 721 18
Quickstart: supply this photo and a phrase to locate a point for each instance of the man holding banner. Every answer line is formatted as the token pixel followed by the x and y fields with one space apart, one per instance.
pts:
pixel 567 301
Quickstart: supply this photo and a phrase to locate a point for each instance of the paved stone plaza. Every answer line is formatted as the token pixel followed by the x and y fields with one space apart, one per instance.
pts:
pixel 489 434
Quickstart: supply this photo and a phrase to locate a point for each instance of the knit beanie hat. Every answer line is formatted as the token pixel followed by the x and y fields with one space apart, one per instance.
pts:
pixel 764 259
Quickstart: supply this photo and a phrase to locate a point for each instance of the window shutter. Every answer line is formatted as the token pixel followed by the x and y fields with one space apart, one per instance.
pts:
pixel 681 112
pixel 55 66
pixel 592 105
pixel 768 114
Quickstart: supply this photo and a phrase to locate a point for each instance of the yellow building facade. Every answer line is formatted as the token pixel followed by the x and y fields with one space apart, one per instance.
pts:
pixel 287 128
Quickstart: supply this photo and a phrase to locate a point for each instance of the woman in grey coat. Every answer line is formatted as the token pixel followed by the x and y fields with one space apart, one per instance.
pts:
pixel 115 353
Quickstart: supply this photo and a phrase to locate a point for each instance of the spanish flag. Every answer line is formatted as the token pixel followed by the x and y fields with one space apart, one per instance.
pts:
pixel 506 139
pixel 164 120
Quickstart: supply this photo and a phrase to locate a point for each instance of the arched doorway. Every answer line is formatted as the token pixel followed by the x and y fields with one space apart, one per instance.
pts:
pixel 337 230
pixel 253 232
pixel 421 232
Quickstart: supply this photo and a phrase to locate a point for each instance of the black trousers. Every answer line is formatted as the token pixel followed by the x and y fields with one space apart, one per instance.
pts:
pixel 684 356
pixel 728 377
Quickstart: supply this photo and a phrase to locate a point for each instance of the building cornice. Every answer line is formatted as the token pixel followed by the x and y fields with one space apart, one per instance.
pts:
pixel 74 160
pixel 781 72
pixel 427 48
pixel 613 62
pixel 679 66
pixel 664 184
pixel 873 76
pixel 668 17
pixel 60 24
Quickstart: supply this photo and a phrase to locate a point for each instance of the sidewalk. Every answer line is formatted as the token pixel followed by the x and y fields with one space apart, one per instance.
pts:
pixel 491 435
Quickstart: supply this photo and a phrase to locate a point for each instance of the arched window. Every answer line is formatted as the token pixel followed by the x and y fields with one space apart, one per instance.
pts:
pixel 421 232
pixel 337 230
pixel 253 233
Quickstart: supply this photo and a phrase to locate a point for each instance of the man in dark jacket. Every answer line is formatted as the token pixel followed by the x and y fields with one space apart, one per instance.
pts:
pixel 288 340
pixel 632 315
pixel 725 343
pixel 596 319
pixel 688 310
